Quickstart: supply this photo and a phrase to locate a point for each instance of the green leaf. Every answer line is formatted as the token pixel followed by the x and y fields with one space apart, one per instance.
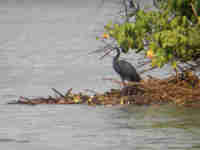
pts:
pixel 174 64
pixel 170 56
pixel 159 64
pixel 153 62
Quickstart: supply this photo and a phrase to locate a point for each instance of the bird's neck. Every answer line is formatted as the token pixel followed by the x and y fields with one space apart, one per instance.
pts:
pixel 117 56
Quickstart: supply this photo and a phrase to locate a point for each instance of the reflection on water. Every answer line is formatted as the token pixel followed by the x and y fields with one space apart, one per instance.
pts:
pixel 45 44
pixel 168 116
pixel 169 127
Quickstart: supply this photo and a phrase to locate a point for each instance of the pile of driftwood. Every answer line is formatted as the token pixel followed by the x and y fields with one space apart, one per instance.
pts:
pixel 180 89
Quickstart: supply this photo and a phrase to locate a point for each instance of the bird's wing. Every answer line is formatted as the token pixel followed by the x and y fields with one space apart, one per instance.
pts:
pixel 126 67
pixel 127 71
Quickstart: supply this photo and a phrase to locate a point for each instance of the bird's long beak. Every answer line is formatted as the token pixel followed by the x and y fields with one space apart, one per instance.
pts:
pixel 110 50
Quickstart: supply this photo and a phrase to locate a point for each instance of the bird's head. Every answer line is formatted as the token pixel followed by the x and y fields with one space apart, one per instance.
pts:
pixel 108 51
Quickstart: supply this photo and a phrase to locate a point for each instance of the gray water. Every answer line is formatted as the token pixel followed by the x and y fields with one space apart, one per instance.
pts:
pixel 45 44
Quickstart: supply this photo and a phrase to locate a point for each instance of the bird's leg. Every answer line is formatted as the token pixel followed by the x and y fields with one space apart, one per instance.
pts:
pixel 123 84
pixel 124 88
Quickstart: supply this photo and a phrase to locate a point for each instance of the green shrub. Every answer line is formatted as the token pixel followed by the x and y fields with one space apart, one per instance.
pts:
pixel 170 35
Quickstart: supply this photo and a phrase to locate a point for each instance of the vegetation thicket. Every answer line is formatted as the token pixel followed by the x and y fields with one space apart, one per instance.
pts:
pixel 169 34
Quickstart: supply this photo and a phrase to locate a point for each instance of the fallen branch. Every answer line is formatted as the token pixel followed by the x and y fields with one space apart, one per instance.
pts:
pixel 113 80
pixel 57 92
pixel 68 92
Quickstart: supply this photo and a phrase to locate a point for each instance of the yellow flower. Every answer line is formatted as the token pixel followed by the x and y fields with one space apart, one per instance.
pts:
pixel 90 99
pixel 150 54
pixel 105 36
pixel 76 99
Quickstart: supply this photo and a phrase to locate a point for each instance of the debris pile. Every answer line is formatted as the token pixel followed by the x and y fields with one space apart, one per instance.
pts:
pixel 181 89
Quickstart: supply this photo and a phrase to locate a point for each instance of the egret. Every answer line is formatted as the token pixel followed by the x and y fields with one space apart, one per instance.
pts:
pixel 125 70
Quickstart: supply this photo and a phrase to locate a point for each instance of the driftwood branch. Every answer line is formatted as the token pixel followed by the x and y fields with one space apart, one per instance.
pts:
pixel 114 81
pixel 57 92
pixel 91 91
pixel 126 10
pixel 194 11
pixel 68 92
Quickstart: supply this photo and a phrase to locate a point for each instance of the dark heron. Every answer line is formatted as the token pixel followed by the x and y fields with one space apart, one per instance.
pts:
pixel 125 70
